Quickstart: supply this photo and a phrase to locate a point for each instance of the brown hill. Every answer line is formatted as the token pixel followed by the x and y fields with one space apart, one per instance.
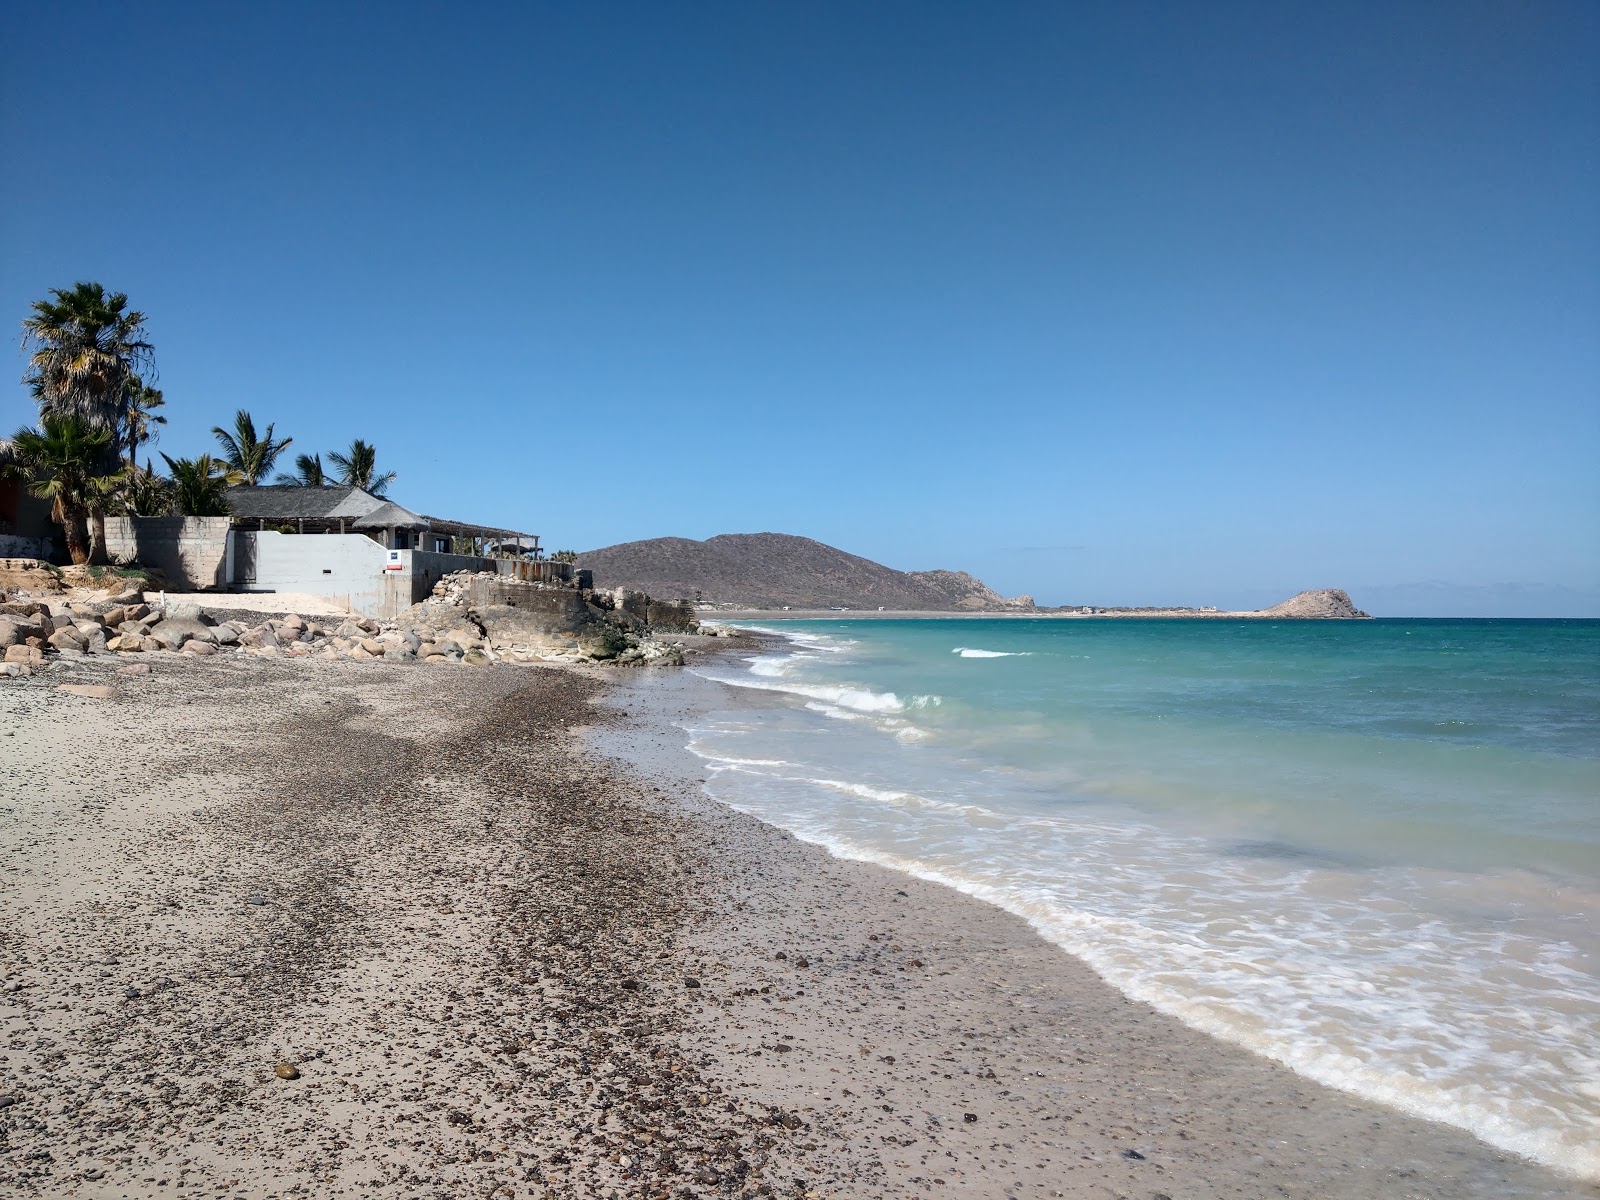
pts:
pixel 772 570
pixel 1321 603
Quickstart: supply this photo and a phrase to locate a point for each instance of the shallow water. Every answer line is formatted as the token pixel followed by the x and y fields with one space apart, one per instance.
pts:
pixel 1370 850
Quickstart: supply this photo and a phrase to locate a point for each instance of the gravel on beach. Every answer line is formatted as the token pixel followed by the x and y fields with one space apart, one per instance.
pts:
pixel 311 929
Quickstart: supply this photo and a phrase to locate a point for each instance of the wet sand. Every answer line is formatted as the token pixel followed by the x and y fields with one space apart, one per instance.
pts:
pixel 500 959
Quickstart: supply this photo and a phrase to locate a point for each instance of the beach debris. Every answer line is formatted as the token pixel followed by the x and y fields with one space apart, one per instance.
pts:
pixel 94 691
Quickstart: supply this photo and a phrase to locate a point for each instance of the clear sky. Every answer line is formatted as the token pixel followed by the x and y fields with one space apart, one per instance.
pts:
pixel 1108 302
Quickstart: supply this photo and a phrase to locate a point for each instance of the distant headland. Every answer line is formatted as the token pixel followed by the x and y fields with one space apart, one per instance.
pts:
pixel 779 574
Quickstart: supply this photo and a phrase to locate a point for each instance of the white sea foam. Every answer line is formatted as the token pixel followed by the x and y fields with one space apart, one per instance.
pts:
pixel 1264 992
pixel 967 652
pixel 1389 982
pixel 860 700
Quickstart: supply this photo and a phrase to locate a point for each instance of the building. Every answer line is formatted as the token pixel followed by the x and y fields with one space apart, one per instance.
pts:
pixel 26 530
pixel 292 509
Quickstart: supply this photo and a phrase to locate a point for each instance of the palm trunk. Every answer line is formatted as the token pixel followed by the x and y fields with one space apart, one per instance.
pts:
pixel 98 554
pixel 72 530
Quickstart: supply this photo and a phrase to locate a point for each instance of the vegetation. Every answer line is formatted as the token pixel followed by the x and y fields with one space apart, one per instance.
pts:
pixel 89 360
pixel 359 468
pixel 146 494
pixel 307 472
pixel 199 485
pixel 64 460
pixel 566 556
pixel 249 456
pixel 140 418
pixel 85 346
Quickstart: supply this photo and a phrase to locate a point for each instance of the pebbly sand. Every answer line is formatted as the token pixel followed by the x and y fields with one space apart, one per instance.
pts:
pixel 503 957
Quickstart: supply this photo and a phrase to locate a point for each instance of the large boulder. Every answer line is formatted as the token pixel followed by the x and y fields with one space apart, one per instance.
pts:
pixel 16 631
pixel 172 633
pixel 68 638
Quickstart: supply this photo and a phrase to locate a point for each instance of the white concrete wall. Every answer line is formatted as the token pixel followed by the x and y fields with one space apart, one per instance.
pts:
pixel 347 567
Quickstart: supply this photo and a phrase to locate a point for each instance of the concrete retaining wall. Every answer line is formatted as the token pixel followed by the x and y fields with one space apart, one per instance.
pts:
pixel 345 567
pixel 191 552
pixel 428 568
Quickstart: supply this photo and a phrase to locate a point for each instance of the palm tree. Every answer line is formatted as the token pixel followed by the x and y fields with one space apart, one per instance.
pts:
pixel 359 468
pixel 307 473
pixel 84 346
pixel 146 494
pixel 141 418
pixel 199 485
pixel 65 458
pixel 251 457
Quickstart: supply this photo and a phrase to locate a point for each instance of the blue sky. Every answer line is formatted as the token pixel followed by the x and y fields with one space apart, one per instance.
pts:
pixel 1112 303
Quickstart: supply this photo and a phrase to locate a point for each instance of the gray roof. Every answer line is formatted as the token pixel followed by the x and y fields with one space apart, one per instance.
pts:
pixel 389 513
pixel 357 508
pixel 287 502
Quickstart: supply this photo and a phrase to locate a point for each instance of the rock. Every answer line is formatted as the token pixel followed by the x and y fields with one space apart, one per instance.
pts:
pixel 361 654
pixel 400 654
pixel 135 612
pixel 1133 1154
pixel 293 621
pixel 114 616
pixel 476 658
pixel 462 636
pixel 6 1101
pixel 196 646
pixel 286 1070
pixel 134 669
pixel 16 631
pixel 226 635
pixel 126 643
pixel 689 981
pixel 182 611
pixel 437 658
pixel 350 629
pixel 68 639
pixel 969 1118
pixel 171 634
pixel 256 898
pixel 372 646
pixel 94 691
pixel 23 654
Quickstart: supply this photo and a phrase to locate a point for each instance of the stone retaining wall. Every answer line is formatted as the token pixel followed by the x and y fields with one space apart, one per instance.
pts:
pixel 190 552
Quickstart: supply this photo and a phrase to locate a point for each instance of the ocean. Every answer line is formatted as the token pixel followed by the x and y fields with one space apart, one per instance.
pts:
pixel 1369 850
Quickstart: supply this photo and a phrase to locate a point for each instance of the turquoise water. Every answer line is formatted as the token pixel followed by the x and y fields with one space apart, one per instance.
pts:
pixel 1370 850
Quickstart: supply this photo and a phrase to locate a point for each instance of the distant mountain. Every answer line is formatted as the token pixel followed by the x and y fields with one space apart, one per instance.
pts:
pixel 771 570
pixel 1321 603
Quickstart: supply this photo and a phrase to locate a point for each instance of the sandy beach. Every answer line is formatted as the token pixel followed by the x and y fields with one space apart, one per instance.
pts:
pixel 313 929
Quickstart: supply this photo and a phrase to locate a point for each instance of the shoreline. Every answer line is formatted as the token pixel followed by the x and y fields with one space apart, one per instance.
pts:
pixel 501 953
pixel 714 615
pixel 1200 1106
